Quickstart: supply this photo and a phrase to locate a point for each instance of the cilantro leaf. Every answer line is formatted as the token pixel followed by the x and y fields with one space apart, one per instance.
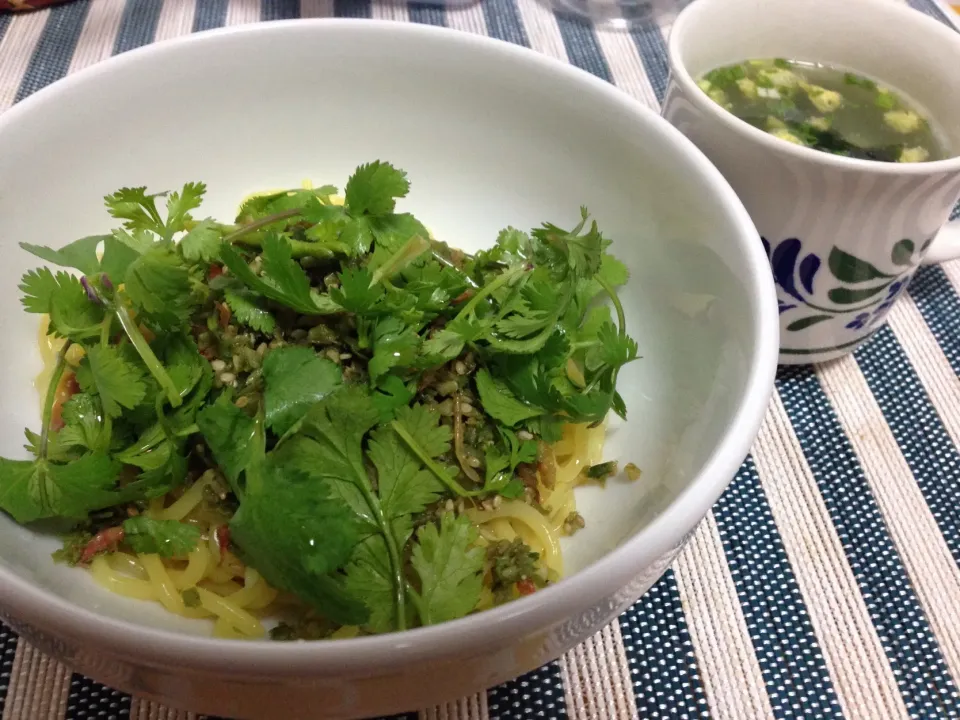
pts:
pixel 394 345
pixel 368 576
pixel 182 360
pixel 41 489
pixel 329 448
pixel 612 272
pixel 229 433
pixel 434 285
pixel 373 189
pixel 258 206
pixel 568 253
pixel 447 344
pixel 521 451
pixel 158 282
pixel 39 287
pixel 615 350
pixel 540 379
pixel 117 381
pixel 119 253
pixel 391 394
pixel 295 380
pixel 496 465
pixel 335 231
pixel 424 426
pixel 136 208
pixel 62 297
pixel 512 247
pixel 283 279
pixel 151 451
pixel 308 456
pixel 158 480
pixel 501 463
pixel 357 293
pixel 248 309
pixel 595 318
pixel 179 205
pixel 202 241
pixel 166 538
pixel 55 450
pixel 404 489
pixel 403 485
pixel 513 489
pixel 339 422
pixel 450 566
pixel 536 309
pixel 297 534
pixel 83 422
pixel 441 347
pixel 501 404
pixel 80 254
pixel 139 241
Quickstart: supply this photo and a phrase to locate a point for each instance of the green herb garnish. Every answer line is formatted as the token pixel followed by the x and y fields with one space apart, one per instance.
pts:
pixel 342 383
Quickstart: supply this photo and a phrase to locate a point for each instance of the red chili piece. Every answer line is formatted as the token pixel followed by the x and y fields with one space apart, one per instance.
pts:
pixel 104 540
pixel 526 587
pixel 222 534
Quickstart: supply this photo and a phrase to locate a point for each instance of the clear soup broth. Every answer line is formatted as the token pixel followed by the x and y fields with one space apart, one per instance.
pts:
pixel 826 108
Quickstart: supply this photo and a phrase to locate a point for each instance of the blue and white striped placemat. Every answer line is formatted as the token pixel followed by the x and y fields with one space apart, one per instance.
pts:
pixel 826 581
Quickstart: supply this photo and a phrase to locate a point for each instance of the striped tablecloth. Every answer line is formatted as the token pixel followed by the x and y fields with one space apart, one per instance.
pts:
pixel 824 584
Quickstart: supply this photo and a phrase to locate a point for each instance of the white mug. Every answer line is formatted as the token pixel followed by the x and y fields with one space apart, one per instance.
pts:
pixel 844 236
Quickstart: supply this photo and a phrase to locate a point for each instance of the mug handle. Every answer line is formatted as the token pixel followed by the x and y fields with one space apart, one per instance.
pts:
pixel 946 244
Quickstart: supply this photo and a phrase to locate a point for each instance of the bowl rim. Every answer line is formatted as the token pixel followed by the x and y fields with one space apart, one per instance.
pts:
pixel 44 612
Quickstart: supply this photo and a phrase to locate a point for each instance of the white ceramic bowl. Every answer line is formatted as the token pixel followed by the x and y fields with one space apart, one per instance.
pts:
pixel 491 135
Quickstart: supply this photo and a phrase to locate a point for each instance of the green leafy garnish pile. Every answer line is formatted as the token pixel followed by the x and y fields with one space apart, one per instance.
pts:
pixel 343 383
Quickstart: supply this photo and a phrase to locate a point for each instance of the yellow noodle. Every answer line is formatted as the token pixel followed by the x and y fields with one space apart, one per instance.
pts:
pixel 127 564
pixel 166 592
pixel 487 535
pixel 220 574
pixel 225 589
pixel 124 585
pixel 214 547
pixel 265 597
pixel 515 510
pixel 486 599
pixel 187 502
pixel 347 631
pixel 196 568
pixel 250 590
pixel 155 507
pixel 530 537
pixel 503 529
pixel 223 629
pixel 238 618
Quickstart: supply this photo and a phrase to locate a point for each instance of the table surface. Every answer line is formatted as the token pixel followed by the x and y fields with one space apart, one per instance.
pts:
pixel 826 581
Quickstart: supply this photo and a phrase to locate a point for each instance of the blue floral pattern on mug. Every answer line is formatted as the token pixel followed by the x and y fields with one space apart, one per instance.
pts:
pixel 862 294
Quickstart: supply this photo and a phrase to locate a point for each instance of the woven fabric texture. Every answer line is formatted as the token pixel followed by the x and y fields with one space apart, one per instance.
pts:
pixel 826 581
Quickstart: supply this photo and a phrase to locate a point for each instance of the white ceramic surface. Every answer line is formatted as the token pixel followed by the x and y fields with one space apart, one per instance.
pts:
pixel 491 135
pixel 812 207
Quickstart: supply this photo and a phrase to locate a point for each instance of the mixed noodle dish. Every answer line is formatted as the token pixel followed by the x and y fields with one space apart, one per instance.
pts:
pixel 318 421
